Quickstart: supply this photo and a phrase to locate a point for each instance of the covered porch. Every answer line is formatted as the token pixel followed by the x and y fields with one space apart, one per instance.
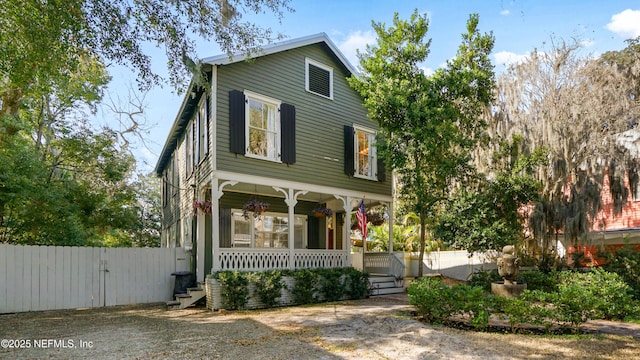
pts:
pixel 286 235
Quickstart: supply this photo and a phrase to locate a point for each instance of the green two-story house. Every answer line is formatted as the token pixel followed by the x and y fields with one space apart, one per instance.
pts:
pixel 282 129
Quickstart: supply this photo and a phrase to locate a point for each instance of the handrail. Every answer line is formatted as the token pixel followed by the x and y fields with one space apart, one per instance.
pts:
pixel 386 263
pixel 396 267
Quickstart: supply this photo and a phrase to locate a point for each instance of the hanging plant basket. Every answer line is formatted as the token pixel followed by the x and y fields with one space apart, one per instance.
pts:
pixel 375 219
pixel 321 212
pixel 254 208
pixel 203 207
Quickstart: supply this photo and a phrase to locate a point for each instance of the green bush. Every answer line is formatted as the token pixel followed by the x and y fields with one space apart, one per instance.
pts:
pixel 305 290
pixel 331 284
pixel 235 288
pixel 437 302
pixel 538 280
pixel 600 294
pixel 268 286
pixel 484 279
pixel 626 263
pixel 356 283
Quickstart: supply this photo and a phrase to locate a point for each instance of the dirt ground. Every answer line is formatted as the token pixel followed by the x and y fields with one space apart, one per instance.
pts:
pixel 376 328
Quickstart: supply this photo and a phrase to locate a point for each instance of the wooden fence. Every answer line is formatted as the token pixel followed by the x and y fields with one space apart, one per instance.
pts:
pixel 34 278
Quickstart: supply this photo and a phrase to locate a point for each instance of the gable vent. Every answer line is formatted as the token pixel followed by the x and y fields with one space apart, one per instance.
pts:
pixel 319 79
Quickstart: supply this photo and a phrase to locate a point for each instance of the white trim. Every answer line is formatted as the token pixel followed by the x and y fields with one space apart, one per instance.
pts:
pixel 250 95
pixel 374 157
pixel 253 179
pixel 213 116
pixel 225 59
pixel 307 62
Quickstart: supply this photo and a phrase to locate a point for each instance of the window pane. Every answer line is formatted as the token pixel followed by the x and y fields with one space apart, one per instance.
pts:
pixel 241 231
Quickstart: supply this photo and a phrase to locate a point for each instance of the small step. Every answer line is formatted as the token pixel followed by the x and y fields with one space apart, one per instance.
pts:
pixel 384 285
pixel 195 289
pixel 386 291
pixel 377 279
pixel 173 303
pixel 183 296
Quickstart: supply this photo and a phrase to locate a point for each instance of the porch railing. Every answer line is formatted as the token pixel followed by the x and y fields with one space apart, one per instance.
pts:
pixel 279 259
pixel 384 263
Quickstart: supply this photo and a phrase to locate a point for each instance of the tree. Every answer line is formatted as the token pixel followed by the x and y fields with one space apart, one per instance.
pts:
pixel 427 124
pixel 489 214
pixel 45 40
pixel 576 108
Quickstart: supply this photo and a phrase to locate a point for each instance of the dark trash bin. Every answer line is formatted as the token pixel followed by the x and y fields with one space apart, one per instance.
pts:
pixel 184 280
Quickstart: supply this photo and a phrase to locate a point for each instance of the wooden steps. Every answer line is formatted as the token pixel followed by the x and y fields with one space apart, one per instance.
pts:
pixel 384 284
pixel 190 298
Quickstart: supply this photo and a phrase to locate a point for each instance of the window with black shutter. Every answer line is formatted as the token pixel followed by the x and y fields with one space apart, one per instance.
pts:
pixel 319 78
pixel 236 122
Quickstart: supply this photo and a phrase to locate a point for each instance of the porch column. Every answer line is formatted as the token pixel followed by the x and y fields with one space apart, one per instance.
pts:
pixel 346 231
pixel 391 221
pixel 200 244
pixel 216 194
pixel 291 199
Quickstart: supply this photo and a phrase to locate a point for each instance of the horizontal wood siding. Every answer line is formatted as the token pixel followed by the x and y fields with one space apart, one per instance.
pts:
pixel 319 121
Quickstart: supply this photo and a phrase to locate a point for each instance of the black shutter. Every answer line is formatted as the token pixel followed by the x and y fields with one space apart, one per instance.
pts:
pixel 382 171
pixel 313 232
pixel 288 133
pixel 225 227
pixel 349 165
pixel 236 122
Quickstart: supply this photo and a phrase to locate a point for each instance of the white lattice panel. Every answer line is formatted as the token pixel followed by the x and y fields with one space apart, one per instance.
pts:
pixel 254 260
pixel 310 259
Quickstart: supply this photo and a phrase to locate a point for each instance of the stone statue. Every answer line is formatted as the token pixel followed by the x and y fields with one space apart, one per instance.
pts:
pixel 508 265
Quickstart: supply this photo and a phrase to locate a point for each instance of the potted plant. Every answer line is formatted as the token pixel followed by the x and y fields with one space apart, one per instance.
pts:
pixel 375 218
pixel 321 212
pixel 254 206
pixel 203 206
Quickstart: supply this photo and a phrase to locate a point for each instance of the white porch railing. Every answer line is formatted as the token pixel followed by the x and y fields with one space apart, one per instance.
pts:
pixel 383 263
pixel 311 259
pixel 278 259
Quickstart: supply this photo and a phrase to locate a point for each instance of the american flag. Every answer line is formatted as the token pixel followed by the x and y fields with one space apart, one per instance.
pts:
pixel 362 220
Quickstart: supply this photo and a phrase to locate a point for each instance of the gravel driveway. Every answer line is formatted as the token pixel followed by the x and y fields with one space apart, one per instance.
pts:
pixel 376 328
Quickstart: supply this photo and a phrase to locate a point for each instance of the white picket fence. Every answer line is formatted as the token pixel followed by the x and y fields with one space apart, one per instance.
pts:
pixel 34 278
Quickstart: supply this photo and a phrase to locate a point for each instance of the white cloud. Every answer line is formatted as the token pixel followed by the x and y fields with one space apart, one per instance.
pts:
pixel 626 23
pixel 357 40
pixel 505 12
pixel 587 43
pixel 507 58
pixel 427 71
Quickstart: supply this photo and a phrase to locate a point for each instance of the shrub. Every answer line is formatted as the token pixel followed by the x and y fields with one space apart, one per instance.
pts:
pixel 305 290
pixel 268 286
pixel 331 284
pixel 626 263
pixel 356 283
pixel 484 279
pixel 235 288
pixel 538 280
pixel 599 293
pixel 437 302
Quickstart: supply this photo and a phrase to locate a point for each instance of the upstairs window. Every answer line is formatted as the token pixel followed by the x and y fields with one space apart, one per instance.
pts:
pixel 319 79
pixel 263 127
pixel 365 152
pixel 360 156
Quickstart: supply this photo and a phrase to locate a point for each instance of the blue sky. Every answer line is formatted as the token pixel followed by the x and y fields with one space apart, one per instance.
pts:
pixel 519 26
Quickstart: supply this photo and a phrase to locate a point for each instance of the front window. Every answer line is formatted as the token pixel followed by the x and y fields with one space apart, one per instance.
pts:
pixel 365 153
pixel 263 127
pixel 271 230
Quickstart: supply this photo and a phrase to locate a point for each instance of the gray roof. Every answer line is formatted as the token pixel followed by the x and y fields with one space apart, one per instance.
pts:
pixel 189 104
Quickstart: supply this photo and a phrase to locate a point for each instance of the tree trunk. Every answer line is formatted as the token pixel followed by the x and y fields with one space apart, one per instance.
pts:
pixel 422 245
